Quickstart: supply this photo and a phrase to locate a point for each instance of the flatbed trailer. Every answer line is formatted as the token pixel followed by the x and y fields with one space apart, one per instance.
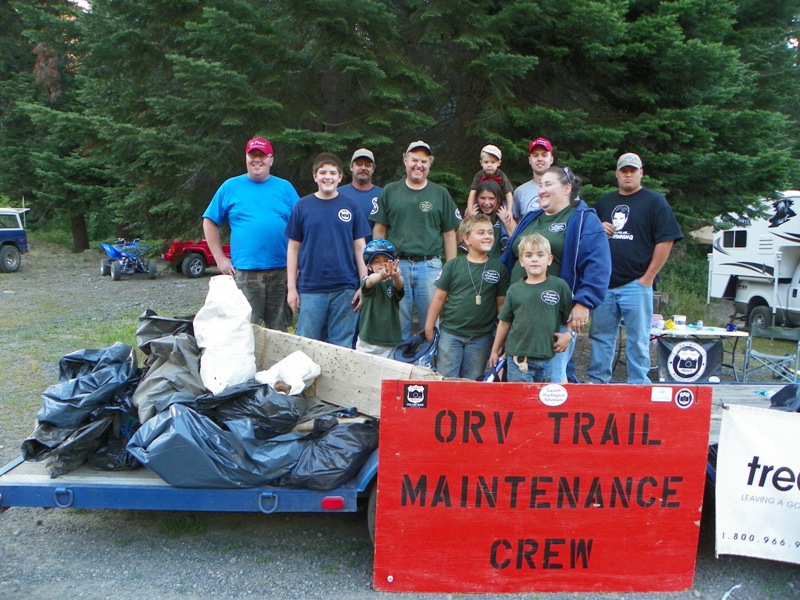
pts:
pixel 348 379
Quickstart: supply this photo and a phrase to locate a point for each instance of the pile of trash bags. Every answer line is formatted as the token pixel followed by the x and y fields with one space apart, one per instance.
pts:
pixel 116 415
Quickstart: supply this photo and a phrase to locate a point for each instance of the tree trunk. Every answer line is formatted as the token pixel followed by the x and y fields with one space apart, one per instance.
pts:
pixel 80 234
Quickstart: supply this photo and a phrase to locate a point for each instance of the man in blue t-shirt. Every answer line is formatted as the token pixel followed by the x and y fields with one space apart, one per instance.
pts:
pixel 256 206
pixel 362 190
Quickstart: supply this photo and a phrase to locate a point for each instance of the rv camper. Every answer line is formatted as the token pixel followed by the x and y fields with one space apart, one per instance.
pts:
pixel 758 266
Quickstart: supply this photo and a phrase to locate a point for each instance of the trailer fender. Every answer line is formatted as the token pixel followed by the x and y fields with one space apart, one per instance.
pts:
pixel 367 473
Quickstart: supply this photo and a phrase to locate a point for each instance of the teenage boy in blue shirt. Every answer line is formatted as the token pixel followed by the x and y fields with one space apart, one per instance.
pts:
pixel 324 261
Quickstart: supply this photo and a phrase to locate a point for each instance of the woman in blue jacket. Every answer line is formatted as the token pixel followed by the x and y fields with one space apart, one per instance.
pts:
pixel 581 255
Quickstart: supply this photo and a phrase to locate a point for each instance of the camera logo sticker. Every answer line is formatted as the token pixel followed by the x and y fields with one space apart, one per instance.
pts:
pixel 687 361
pixel 684 398
pixel 416 396
pixel 553 395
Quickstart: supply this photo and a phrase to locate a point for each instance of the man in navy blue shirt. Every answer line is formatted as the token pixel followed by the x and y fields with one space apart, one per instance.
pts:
pixel 362 190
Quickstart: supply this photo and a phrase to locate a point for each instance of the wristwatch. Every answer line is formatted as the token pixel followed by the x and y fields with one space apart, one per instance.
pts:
pixel 572 333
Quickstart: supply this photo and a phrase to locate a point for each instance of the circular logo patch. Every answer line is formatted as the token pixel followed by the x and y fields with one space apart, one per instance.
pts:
pixel 491 276
pixel 556 227
pixel 687 361
pixel 550 297
pixel 345 215
pixel 684 398
pixel 553 395
pixel 425 206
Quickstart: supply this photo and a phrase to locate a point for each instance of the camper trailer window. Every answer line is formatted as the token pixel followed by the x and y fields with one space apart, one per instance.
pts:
pixel 736 238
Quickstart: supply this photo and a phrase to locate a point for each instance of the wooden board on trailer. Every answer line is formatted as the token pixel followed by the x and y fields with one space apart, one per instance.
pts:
pixel 348 378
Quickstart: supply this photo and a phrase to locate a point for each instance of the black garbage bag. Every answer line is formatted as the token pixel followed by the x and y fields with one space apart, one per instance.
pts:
pixel 151 327
pixel 335 456
pixel 189 450
pixel 99 375
pixel 272 413
pixel 76 449
pixel 174 368
pixel 112 453
pixel 787 398
pixel 44 439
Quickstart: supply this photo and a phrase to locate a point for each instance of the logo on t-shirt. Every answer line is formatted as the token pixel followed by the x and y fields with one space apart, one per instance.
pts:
pixel 551 297
pixel 374 206
pixel 491 276
pixel 345 215
pixel 425 206
pixel 556 227
pixel 619 218
pixel 389 291
pixel 458 214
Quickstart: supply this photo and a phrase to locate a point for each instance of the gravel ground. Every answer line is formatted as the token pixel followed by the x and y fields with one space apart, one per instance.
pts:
pixel 134 554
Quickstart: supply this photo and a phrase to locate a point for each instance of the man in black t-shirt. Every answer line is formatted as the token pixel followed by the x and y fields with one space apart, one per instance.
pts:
pixel 641 229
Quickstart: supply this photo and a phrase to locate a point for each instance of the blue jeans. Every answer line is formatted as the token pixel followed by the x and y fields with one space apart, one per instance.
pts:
pixel 558 366
pixel 632 303
pixel 333 309
pixel 418 278
pixel 465 357
pixel 539 371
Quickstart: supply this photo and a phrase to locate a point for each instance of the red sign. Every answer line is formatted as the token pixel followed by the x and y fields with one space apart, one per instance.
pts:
pixel 508 487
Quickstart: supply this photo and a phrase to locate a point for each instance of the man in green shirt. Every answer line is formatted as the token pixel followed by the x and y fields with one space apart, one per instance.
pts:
pixel 420 218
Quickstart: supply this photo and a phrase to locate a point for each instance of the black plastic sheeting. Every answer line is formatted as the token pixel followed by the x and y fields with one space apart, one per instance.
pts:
pixel 787 398
pixel 241 437
pixel 89 380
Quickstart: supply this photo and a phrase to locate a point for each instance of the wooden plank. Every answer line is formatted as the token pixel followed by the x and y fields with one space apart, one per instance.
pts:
pixel 348 378
pixel 36 473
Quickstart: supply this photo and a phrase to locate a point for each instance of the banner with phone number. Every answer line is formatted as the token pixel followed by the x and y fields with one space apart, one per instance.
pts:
pixel 758 484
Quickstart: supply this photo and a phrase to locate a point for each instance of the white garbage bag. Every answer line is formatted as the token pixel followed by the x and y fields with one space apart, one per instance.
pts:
pixel 296 370
pixel 225 337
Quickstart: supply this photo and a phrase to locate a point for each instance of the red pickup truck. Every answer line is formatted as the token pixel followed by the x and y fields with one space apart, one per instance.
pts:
pixel 192 258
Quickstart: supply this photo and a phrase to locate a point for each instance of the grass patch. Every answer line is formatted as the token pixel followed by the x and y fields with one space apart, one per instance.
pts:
pixel 181 525
pixel 685 280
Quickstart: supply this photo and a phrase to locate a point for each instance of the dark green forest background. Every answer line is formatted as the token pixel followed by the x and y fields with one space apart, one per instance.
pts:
pixel 126 118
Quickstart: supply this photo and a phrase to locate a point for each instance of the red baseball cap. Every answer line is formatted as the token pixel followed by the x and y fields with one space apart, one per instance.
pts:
pixel 540 141
pixel 258 144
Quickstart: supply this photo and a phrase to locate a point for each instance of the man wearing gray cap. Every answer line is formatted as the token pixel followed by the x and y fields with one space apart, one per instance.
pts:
pixel 420 218
pixel 361 189
pixel 641 229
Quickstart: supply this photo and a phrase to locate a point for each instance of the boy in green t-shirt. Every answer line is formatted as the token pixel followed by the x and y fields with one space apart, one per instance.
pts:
pixel 535 308
pixel 469 293
pixel 381 292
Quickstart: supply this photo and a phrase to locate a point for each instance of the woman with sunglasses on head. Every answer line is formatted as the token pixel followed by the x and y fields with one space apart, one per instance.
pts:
pixel 579 244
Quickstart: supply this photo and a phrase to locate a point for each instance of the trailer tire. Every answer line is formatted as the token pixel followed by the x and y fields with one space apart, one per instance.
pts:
pixel 760 315
pixel 371 508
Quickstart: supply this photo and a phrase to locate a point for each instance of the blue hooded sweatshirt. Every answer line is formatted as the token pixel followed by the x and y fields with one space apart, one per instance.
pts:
pixel 586 261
